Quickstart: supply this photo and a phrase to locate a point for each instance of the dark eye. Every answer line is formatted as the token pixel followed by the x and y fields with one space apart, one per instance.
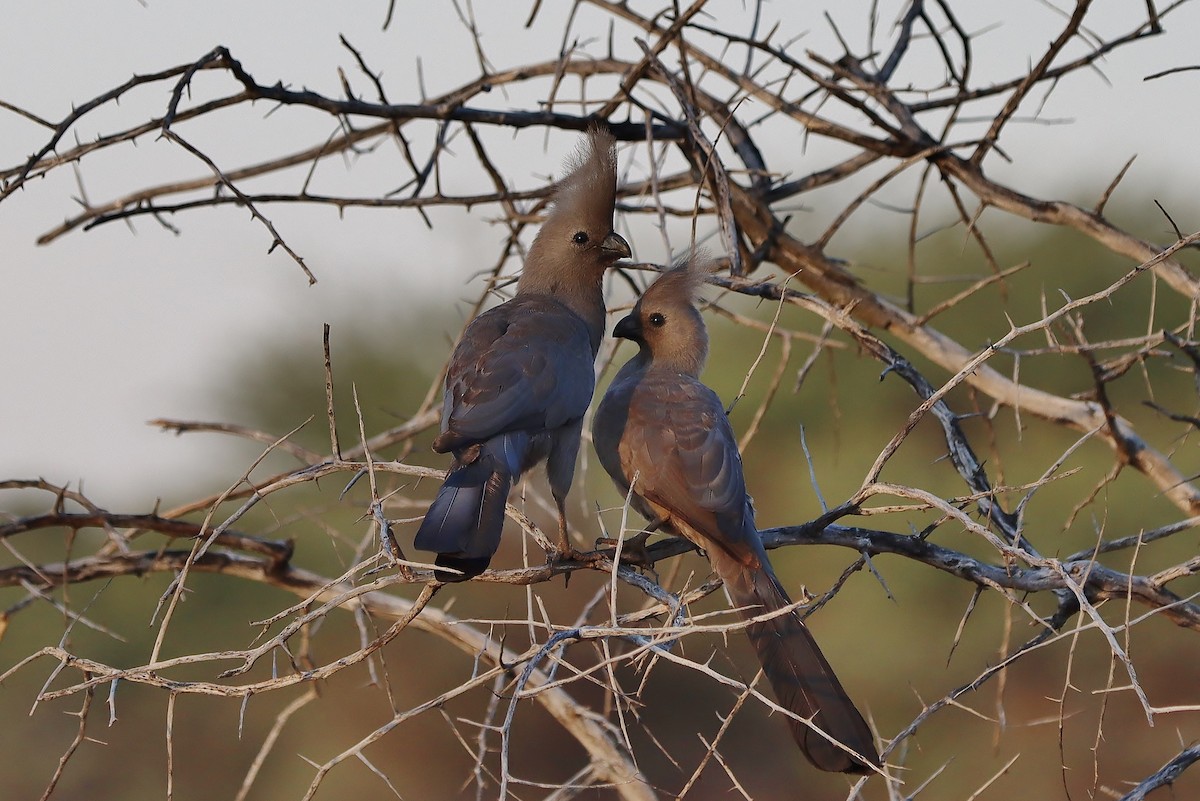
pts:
pixel 657 320
pixel 580 238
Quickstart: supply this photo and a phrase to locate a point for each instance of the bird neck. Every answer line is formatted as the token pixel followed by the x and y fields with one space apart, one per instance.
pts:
pixel 684 359
pixel 579 289
pixel 634 367
pixel 648 365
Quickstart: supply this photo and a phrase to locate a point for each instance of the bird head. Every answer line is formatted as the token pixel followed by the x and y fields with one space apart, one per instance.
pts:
pixel 577 236
pixel 665 322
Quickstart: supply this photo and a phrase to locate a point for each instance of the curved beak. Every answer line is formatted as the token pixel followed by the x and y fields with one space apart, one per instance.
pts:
pixel 615 245
pixel 629 327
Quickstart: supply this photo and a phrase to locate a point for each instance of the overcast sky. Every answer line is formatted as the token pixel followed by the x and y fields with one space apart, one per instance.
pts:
pixel 104 330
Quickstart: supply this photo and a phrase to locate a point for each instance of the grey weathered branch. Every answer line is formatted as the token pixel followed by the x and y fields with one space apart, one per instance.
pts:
pixel 705 128
pixel 611 761
pixel 1166 776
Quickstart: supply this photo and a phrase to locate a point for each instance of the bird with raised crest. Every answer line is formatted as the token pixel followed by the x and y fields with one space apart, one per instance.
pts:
pixel 522 376
pixel 665 439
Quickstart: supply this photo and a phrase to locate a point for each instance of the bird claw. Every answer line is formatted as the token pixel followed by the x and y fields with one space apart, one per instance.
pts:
pixel 633 550
pixel 562 555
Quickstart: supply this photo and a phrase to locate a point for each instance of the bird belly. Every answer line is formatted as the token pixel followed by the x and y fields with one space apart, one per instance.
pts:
pixel 537 451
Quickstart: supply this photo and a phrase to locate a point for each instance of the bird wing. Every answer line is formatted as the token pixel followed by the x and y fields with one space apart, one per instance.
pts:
pixel 678 441
pixel 526 364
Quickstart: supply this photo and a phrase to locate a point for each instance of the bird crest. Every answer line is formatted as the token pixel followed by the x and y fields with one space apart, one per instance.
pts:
pixel 687 276
pixel 590 185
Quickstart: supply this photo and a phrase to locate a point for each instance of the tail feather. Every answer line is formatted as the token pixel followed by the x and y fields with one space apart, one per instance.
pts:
pixel 800 676
pixel 464 521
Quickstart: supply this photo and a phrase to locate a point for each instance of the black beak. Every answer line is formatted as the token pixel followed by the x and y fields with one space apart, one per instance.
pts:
pixel 629 328
pixel 615 245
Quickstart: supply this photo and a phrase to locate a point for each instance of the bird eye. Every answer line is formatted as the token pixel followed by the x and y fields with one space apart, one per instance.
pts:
pixel 580 238
pixel 657 320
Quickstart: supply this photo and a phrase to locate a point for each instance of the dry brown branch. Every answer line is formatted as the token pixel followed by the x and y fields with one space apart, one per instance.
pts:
pixel 1069 505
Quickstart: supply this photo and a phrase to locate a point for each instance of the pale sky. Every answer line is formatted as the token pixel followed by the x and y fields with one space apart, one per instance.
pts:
pixel 106 329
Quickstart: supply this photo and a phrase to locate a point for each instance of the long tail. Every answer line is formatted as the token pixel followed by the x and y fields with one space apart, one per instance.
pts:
pixel 802 679
pixel 464 521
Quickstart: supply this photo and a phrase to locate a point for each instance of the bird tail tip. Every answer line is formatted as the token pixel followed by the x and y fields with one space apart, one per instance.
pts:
pixel 802 678
pixel 464 522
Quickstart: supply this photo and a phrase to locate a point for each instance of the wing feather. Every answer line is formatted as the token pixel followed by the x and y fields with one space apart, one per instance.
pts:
pixel 677 440
pixel 526 364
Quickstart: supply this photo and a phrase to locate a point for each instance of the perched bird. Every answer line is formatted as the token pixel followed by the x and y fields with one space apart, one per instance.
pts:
pixel 522 377
pixel 662 432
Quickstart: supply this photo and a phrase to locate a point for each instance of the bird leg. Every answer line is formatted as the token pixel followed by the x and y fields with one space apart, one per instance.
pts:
pixel 565 552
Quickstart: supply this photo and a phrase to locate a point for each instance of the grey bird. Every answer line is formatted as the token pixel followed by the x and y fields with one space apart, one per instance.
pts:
pixel 662 432
pixel 522 376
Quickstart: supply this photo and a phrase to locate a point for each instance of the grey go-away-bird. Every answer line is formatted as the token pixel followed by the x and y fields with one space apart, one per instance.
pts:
pixel 662 432
pixel 522 377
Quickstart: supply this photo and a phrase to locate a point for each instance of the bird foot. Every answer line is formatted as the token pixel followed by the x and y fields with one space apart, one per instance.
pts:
pixel 633 550
pixel 569 554
pixel 564 554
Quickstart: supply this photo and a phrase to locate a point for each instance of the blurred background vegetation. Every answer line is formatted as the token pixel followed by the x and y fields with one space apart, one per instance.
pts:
pixel 894 647
pixel 191 323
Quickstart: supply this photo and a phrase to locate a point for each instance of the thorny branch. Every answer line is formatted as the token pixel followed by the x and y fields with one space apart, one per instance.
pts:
pixel 705 108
